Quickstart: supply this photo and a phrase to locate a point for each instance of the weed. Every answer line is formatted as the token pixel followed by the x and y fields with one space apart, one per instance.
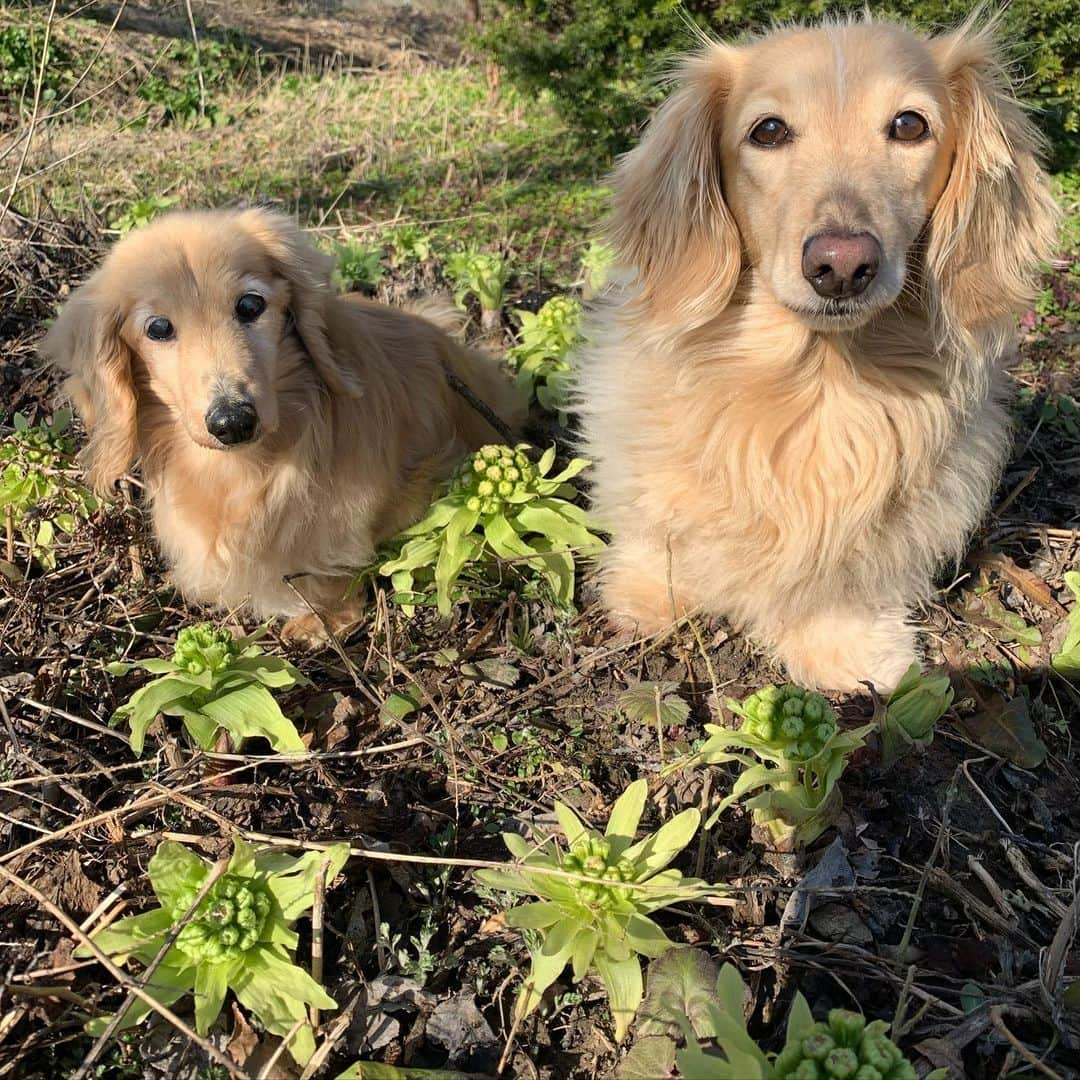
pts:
pixel 140 213
pixel 596 263
pixel 20 60
pixel 39 495
pixel 409 243
pixel 499 506
pixel 359 266
pixel 216 683
pixel 238 937
pixel 600 923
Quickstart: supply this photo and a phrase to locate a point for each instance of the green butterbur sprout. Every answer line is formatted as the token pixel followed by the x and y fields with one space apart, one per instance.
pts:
pixel 359 266
pixel 596 263
pixel 540 356
pixel 499 505
pixel 409 242
pixel 601 923
pixel 240 937
pixel 479 274
pixel 791 749
pixel 844 1048
pixel 214 682
pixel 39 496
pixel 907 717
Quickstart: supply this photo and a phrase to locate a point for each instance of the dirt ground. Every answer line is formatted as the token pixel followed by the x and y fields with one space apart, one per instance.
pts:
pixel 946 900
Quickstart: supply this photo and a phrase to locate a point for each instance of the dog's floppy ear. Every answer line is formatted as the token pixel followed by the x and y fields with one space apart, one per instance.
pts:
pixel 307 270
pixel 996 219
pixel 85 342
pixel 670 221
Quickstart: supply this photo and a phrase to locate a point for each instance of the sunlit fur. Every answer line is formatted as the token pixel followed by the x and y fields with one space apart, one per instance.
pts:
pixel 356 418
pixel 801 472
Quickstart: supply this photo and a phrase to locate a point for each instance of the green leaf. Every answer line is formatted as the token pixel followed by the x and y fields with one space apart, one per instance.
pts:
pixel 547 966
pixel 145 704
pixel 272 671
pixel 656 851
pixel 294 888
pixel 250 712
pixel 625 816
pixel 176 874
pixel 654 702
pixel 574 829
pixel 681 982
pixel 623 982
pixel 1005 727
pixel 170 981
pixel 538 916
pixel 376 1070
pixel 645 937
pixel 128 936
pixel 278 993
pixel 211 984
pixel 455 552
pixel 585 945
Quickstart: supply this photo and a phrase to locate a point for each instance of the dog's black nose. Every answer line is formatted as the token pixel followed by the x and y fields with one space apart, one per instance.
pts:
pixel 231 421
pixel 839 265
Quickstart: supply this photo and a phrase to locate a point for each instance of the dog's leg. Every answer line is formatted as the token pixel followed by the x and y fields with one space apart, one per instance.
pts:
pixel 310 631
pixel 844 649
pixel 638 590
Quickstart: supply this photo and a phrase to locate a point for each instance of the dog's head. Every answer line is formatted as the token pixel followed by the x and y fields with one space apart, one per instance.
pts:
pixel 194 308
pixel 839 163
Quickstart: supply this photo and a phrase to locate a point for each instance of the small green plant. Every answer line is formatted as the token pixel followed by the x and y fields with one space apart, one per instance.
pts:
pixel 791 749
pixel 480 274
pixel 238 937
pixel 182 104
pixel 600 921
pixel 39 495
pixel 907 718
pixel 499 506
pixel 1061 411
pixel 1066 661
pixel 215 683
pixel 540 357
pixel 596 263
pixel 140 213
pixel 359 266
pixel 20 61
pixel 409 243
pixel 656 703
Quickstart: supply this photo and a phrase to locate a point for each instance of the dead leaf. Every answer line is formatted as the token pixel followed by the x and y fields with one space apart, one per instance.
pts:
pixel 495 925
pixel 1031 585
pixel 495 673
pixel 243 1040
pixel 1004 728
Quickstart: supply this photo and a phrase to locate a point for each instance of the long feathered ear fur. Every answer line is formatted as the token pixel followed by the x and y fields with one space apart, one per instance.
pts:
pixel 669 221
pixel 996 219
pixel 307 270
pixel 85 342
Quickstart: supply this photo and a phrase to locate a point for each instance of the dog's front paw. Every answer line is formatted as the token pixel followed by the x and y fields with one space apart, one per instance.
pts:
pixel 305 632
pixel 844 651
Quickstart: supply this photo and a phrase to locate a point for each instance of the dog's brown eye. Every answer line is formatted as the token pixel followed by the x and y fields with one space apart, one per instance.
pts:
pixel 249 307
pixel 908 127
pixel 772 131
pixel 159 329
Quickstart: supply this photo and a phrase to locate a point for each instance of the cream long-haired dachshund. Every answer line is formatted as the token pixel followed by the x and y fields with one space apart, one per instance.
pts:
pixel 283 430
pixel 792 402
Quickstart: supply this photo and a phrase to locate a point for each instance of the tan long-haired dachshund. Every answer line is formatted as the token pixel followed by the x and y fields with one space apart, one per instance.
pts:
pixel 283 430
pixel 792 402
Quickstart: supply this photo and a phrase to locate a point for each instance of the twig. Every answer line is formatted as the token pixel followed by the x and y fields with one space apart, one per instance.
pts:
pixel 481 407
pixel 35 112
pixel 267 1071
pixel 198 58
pixel 125 981
pixel 317 933
pixel 1019 1047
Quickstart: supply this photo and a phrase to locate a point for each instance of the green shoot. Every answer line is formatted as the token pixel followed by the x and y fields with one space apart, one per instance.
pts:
pixel 792 751
pixel 498 506
pixel 907 718
pixel 140 213
pixel 601 923
pixel 596 263
pixel 540 357
pixel 409 243
pixel 238 938
pixel 39 495
pixel 359 266
pixel 215 683
pixel 479 274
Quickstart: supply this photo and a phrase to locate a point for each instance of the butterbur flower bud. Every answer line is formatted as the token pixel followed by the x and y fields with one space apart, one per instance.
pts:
pixel 228 922
pixel 495 474
pixel 202 648
pixel 789 721
pixel 845 1048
